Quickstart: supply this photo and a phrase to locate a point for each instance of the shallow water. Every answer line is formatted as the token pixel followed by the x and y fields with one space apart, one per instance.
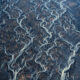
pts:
pixel 40 39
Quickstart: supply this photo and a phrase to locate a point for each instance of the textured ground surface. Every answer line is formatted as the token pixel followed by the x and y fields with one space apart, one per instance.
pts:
pixel 39 39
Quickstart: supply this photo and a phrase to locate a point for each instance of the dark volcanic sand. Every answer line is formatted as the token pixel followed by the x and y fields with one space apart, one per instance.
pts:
pixel 39 39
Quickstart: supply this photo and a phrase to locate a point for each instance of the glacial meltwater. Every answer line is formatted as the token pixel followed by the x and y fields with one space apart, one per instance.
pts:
pixel 39 39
